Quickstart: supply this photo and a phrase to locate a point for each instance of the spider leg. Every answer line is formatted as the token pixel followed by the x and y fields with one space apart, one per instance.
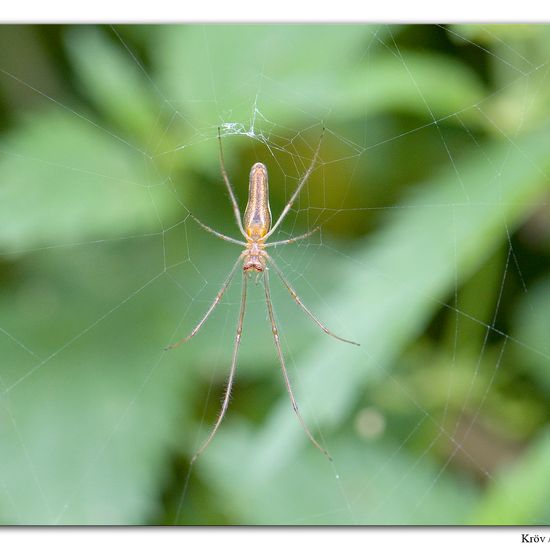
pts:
pixel 304 179
pixel 217 233
pixel 236 210
pixel 211 308
pixel 302 305
pixel 227 394
pixel 283 367
pixel 294 239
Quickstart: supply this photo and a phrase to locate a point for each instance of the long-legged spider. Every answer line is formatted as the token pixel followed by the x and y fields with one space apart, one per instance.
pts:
pixel 256 229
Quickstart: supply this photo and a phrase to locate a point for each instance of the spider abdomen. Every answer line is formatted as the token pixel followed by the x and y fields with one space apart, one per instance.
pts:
pixel 257 216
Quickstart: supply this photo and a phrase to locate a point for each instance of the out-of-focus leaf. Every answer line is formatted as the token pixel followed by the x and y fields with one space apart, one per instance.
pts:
pixel 532 326
pixel 521 493
pixel 515 53
pixel 83 438
pixel 419 83
pixel 111 77
pixel 493 35
pixel 63 180
pixel 370 484
pixel 238 75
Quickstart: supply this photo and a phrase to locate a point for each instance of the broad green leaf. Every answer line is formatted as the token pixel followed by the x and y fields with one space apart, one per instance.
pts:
pixel 84 437
pixel 419 83
pixel 277 73
pixel 111 76
pixel 64 180
pixel 254 74
pixel 520 493
pixel 369 484
pixel 532 326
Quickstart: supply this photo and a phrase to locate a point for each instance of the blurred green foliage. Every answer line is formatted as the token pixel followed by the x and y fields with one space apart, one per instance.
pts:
pixel 433 199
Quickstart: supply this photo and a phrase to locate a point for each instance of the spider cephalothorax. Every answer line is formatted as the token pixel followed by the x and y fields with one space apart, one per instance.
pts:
pixel 254 257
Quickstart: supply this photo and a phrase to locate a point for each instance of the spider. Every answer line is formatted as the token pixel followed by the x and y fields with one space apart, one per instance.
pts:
pixel 256 228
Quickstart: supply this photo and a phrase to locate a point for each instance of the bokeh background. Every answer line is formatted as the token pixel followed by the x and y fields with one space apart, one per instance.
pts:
pixel 433 196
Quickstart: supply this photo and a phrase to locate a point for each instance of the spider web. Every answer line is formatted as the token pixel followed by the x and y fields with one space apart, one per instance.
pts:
pixel 428 422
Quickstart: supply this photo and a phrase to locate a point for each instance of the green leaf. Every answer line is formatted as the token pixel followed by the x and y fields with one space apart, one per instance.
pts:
pixel 520 494
pixel 84 439
pixel 369 484
pixel 111 76
pixel 64 180
pixel 319 66
pixel 424 84
pixel 252 74
pixel 532 326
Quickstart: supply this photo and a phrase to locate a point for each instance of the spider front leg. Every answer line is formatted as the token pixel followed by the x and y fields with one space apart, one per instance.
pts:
pixel 302 182
pixel 234 204
pixel 217 233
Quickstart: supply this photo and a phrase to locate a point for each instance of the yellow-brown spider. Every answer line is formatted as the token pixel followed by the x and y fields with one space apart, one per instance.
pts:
pixel 256 229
